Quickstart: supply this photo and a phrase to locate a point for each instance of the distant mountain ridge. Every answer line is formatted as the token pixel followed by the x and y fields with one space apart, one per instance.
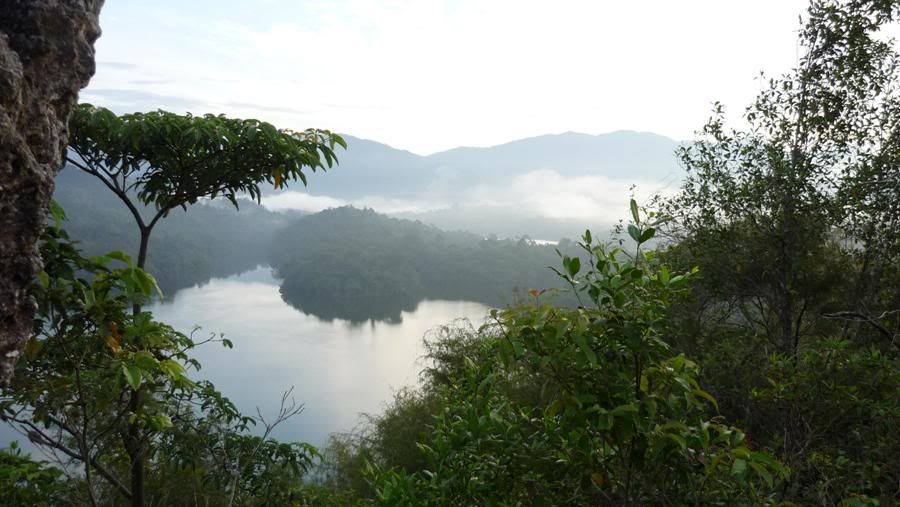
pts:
pixel 372 168
pixel 641 154
pixel 545 187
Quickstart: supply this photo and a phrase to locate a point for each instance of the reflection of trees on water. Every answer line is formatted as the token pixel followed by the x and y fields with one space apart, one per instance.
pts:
pixel 358 310
pixel 389 308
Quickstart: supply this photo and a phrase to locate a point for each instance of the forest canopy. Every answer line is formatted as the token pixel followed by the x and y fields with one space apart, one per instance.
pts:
pixel 357 264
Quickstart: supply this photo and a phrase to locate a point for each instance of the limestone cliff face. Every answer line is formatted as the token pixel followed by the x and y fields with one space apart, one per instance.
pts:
pixel 46 57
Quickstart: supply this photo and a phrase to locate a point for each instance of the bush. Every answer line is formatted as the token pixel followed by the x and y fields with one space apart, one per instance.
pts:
pixel 572 406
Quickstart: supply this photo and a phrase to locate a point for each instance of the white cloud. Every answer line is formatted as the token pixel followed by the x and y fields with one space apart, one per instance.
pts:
pixel 544 192
pixel 294 200
pixel 549 194
pixel 434 74
pixel 301 201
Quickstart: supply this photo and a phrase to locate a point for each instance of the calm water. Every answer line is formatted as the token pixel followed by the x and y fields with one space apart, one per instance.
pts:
pixel 338 369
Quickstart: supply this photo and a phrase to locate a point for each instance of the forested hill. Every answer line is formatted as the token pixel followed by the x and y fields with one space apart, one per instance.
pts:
pixel 187 248
pixel 357 264
pixel 342 263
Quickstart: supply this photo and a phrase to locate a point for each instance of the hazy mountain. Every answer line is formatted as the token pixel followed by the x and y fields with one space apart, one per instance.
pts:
pixel 545 187
pixel 369 168
pixel 617 154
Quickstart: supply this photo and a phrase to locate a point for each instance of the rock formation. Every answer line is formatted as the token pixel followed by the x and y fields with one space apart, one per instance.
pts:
pixel 46 57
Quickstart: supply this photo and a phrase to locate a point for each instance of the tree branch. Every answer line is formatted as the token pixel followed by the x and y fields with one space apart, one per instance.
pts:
pixel 115 189
pixel 872 321
pixel 39 437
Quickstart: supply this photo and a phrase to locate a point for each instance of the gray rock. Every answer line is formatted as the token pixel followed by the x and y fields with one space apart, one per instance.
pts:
pixel 46 57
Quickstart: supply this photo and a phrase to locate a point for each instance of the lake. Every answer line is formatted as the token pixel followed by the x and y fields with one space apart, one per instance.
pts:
pixel 338 369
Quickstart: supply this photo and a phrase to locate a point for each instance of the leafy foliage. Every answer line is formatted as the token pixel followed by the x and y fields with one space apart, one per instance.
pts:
pixel 812 174
pixel 792 223
pixel 574 407
pixel 173 160
pixel 838 403
pixel 28 483
pixel 98 385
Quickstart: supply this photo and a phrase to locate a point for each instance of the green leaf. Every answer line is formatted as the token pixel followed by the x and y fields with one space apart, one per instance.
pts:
pixel 120 256
pixel 573 266
pixel 132 375
pixel 57 212
pixel 554 407
pixel 89 297
pixel 144 360
pixel 625 410
pixel 43 279
pixel 171 368
pixel 708 397
pixel 160 422
pixel 647 234
pixel 741 452
pixel 678 439
pixel 634 212
pixel 146 282
pixel 585 347
pixel 634 232
pixel 739 467
pixel 761 470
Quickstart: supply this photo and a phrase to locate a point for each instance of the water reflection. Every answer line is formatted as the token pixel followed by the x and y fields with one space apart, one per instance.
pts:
pixel 338 368
pixel 356 310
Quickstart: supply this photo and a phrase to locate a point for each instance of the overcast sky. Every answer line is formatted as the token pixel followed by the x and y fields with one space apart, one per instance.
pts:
pixel 431 75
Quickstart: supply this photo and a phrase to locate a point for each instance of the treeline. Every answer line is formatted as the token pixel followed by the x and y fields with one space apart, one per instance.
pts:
pixel 357 264
pixel 341 263
pixel 212 240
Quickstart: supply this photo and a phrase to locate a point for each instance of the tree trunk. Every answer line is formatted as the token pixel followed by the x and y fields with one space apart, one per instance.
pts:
pixel 785 302
pixel 141 260
pixel 137 482
pixel 134 447
pixel 137 456
pixel 46 57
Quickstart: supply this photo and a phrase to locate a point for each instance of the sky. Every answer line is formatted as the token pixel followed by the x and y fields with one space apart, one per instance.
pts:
pixel 430 75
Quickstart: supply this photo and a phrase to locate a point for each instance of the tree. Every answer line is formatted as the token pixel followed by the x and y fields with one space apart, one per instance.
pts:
pixel 792 221
pixel 761 204
pixel 169 161
pixel 29 483
pixel 46 57
pixel 103 388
